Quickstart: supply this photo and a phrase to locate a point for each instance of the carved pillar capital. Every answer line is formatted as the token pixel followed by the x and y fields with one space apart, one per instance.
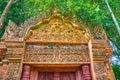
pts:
pixel 5 61
pixel 3 49
pixel 3 52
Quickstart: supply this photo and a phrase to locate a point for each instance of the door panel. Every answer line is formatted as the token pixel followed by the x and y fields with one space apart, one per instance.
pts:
pixel 46 76
pixel 67 76
pixel 61 76
pixel 42 76
pixel 50 76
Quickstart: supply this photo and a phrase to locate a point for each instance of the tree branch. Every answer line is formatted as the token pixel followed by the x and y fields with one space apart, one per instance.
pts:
pixel 113 17
pixel 4 14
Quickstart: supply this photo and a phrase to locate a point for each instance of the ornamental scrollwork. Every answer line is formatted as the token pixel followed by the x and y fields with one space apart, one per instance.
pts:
pixel 56 54
pixel 99 67
pixel 55 29
pixel 100 71
pixel 14 52
pixel 13 70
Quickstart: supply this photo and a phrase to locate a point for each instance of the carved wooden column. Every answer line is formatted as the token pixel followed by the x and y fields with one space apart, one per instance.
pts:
pixel 56 76
pixel 78 75
pixel 4 61
pixel 98 59
pixel 26 72
pixel 15 51
pixel 1 73
pixel 86 72
pixel 5 68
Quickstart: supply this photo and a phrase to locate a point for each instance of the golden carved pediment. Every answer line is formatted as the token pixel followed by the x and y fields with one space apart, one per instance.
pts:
pixel 56 29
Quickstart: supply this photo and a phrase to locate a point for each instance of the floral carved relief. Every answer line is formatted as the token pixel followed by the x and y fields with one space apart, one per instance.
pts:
pixel 13 70
pixel 100 71
pixel 14 52
pixel 56 29
pixel 57 54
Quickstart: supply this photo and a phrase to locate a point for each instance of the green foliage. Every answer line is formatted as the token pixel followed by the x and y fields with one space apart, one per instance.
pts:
pixel 93 11
pixel 116 69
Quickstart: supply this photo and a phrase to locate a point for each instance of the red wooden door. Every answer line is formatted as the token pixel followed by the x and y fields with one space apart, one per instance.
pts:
pixel 60 76
pixel 67 76
pixel 46 76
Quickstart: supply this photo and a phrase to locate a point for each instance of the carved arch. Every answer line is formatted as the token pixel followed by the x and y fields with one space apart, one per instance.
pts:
pixel 56 29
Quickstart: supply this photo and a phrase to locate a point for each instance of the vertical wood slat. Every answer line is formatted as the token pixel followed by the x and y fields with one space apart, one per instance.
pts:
pixel 34 75
pixel 56 76
pixel 78 75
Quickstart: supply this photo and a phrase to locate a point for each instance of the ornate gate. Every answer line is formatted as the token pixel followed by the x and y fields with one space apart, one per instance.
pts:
pixel 55 42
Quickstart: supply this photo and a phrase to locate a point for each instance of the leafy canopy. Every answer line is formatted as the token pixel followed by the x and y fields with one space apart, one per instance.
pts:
pixel 93 11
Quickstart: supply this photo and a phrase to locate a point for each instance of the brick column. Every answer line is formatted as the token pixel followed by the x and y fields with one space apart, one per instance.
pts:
pixel 5 68
pixel 26 72
pixel 86 72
